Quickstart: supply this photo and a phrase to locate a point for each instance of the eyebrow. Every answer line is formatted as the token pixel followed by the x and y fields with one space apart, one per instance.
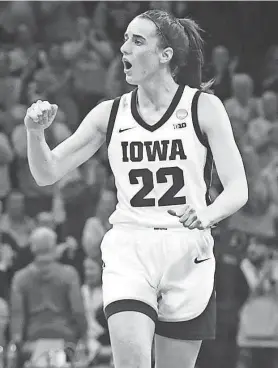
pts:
pixel 136 36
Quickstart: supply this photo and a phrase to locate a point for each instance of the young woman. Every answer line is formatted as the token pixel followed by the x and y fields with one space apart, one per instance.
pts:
pixel 158 274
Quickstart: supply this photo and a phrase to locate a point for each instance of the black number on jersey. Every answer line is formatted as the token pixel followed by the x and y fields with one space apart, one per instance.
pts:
pixel 139 199
pixel 168 199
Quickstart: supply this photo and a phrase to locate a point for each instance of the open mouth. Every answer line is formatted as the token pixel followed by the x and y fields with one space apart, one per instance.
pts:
pixel 127 65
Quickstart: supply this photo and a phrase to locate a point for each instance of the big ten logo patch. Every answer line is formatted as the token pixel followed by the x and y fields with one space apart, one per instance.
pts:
pixel 181 114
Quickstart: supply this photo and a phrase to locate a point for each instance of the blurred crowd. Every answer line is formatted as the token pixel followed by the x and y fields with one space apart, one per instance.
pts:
pixel 50 258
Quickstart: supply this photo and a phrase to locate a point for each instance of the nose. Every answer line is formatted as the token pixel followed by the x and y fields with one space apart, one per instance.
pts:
pixel 125 48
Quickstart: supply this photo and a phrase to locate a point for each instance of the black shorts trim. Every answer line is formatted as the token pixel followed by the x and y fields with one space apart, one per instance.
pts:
pixel 130 305
pixel 202 327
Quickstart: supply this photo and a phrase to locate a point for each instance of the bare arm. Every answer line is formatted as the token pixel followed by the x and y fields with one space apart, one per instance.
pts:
pixel 215 124
pixel 48 166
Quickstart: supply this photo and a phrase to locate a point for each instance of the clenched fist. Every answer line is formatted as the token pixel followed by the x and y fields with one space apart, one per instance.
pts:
pixel 40 115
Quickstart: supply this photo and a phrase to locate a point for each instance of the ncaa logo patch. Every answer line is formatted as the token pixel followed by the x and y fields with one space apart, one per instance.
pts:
pixel 181 114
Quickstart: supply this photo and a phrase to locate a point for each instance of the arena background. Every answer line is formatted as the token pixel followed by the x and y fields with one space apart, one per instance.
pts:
pixel 68 53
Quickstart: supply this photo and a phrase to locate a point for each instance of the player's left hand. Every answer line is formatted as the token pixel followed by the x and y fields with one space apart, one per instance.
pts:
pixel 189 218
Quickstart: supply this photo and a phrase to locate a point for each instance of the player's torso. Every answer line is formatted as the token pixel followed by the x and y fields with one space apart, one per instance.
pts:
pixel 157 167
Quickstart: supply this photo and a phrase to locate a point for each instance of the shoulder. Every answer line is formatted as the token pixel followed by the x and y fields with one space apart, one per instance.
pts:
pixel 209 101
pixel 211 112
pixel 100 115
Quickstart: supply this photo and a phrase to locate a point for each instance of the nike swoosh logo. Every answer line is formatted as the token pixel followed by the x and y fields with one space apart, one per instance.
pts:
pixel 122 130
pixel 196 260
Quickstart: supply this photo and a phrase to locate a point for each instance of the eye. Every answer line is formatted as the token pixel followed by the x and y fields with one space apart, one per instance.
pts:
pixel 138 42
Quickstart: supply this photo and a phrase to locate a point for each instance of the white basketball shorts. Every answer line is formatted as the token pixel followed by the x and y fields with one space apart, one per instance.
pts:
pixel 167 274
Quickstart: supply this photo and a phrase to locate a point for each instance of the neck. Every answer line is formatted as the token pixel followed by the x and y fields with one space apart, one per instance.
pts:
pixel 157 92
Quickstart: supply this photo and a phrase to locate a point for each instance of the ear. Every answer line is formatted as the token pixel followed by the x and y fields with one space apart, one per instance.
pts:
pixel 166 55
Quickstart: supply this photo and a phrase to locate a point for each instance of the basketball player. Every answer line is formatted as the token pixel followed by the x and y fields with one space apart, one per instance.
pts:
pixel 158 275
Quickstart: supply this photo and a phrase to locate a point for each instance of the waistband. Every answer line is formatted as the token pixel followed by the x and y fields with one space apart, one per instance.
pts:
pixel 132 227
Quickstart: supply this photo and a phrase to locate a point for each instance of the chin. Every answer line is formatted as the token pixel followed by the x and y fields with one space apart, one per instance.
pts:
pixel 131 80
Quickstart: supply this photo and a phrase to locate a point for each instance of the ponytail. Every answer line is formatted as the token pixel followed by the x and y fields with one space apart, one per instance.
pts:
pixel 190 73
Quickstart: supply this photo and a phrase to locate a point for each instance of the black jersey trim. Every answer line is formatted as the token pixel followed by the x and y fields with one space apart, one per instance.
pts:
pixel 194 113
pixel 174 103
pixel 208 174
pixel 112 119
pixel 203 140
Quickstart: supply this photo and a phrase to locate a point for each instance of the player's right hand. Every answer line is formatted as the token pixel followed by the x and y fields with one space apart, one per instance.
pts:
pixel 40 115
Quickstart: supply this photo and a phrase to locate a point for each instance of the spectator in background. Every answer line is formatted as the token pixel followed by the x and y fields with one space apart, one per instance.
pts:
pixel 57 20
pixel 15 221
pixel 46 301
pixel 117 19
pixel 106 207
pixel 261 139
pixel 47 219
pixel 80 193
pixel 38 199
pixel 98 335
pixel 270 78
pixel 258 130
pixel 270 172
pixel 242 106
pixel 8 250
pixel 269 107
pixel 9 85
pixel 92 237
pixel 14 117
pixel 4 320
pixel 6 156
pixel 75 194
pixel 90 55
pixel 68 251
pixel 53 80
pixel 7 255
pixel 271 149
pixel 258 329
pixel 231 293
pixel 25 51
pixel 222 70
pixel 15 13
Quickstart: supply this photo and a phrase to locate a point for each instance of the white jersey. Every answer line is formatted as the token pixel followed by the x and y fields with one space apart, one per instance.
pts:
pixel 158 167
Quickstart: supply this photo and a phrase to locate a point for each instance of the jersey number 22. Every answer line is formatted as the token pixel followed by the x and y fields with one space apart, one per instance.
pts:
pixel 168 199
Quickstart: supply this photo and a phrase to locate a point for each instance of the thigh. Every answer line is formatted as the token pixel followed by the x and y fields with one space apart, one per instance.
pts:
pixel 131 335
pixel 176 353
